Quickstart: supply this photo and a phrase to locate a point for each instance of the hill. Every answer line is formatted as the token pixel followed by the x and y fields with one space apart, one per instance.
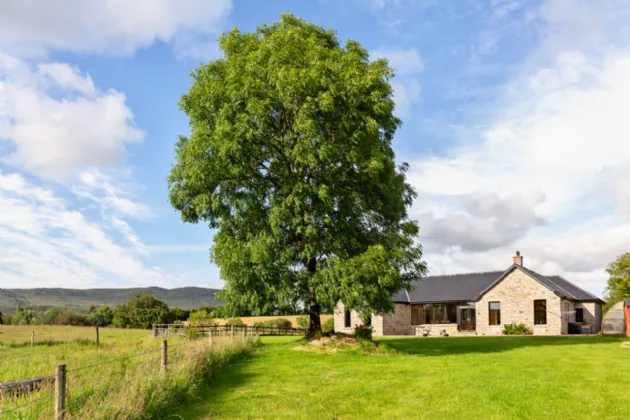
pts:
pixel 81 299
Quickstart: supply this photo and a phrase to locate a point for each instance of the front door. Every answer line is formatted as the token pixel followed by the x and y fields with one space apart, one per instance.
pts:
pixel 467 319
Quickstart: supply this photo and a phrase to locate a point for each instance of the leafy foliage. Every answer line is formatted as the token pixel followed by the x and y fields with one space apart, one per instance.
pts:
pixel 290 159
pixel 201 317
pixel 328 326
pixel 303 322
pixel 49 317
pixel 24 316
pixel 516 329
pixel 102 316
pixel 363 332
pixel 275 323
pixel 618 286
pixel 141 312
pixel 72 318
pixel 237 322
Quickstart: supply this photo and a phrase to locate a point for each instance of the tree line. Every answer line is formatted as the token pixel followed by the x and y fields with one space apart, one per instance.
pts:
pixel 140 311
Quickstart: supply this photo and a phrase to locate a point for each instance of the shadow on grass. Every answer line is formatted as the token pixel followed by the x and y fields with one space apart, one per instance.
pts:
pixel 442 346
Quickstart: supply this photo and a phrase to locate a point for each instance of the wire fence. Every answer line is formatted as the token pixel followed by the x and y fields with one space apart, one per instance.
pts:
pixel 77 390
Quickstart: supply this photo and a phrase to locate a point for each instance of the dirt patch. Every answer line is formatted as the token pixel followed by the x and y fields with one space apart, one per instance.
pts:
pixel 626 344
pixel 334 340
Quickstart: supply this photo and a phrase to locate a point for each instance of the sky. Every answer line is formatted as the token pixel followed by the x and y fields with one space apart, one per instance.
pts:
pixel 516 127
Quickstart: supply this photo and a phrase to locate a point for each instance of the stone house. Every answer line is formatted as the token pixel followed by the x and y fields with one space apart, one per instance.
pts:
pixel 482 303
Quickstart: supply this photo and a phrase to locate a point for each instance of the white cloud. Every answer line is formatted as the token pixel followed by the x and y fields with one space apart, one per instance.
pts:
pixel 403 61
pixel 406 93
pixel 559 128
pixel 105 26
pixel 58 121
pixel 45 241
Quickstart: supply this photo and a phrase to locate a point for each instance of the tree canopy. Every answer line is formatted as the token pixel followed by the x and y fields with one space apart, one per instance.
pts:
pixel 141 311
pixel 290 160
pixel 619 281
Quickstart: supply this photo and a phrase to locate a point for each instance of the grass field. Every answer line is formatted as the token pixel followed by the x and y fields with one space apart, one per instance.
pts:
pixel 439 378
pixel 251 320
pixel 119 379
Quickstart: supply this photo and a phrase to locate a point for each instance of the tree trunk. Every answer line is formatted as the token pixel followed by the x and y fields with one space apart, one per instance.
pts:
pixel 315 325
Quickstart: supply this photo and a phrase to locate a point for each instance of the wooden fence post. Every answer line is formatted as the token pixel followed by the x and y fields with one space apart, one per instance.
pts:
pixel 60 392
pixel 164 354
pixel 210 337
pixel 97 337
pixel 33 338
pixel 244 332
pixel 232 333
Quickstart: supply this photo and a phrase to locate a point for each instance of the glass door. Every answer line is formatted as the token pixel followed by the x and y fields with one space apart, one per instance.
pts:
pixel 467 320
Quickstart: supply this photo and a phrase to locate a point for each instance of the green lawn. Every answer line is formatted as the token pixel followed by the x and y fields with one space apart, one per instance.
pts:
pixel 453 378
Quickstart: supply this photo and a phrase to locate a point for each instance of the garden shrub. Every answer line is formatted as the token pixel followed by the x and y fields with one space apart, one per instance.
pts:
pixel 328 326
pixel 516 329
pixel 303 321
pixel 275 323
pixel 363 332
pixel 236 322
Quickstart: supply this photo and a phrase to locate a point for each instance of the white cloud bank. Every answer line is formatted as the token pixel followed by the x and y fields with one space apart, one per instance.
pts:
pixel 561 131
pixel 406 63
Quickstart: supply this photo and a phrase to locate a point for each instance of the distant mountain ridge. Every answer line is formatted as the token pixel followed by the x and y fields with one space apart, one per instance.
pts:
pixel 81 299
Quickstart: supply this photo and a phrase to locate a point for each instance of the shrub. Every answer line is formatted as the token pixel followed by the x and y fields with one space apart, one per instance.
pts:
pixel 179 314
pixel 363 332
pixel 24 316
pixel 141 312
pixel 275 323
pixel 102 317
pixel 328 326
pixel 49 317
pixel 237 322
pixel 200 317
pixel 516 329
pixel 303 321
pixel 72 318
pixel 7 319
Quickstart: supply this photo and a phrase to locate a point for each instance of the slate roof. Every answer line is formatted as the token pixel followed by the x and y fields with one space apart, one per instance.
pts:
pixel 470 287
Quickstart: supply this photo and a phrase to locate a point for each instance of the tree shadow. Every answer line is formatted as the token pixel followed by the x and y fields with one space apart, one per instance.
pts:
pixel 441 346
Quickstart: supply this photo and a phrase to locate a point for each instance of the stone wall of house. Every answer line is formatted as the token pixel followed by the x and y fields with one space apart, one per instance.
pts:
pixel 592 315
pixel 399 322
pixel 340 319
pixel 436 330
pixel 517 293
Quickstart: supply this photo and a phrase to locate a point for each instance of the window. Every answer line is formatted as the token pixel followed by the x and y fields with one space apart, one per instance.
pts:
pixel 428 314
pixel 439 314
pixel 451 313
pixel 494 313
pixel 347 319
pixel 540 312
pixel 579 314
pixel 416 314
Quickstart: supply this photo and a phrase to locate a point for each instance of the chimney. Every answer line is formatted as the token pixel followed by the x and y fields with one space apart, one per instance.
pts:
pixel 518 259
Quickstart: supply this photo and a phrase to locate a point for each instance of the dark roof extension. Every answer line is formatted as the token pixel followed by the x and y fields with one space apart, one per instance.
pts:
pixel 470 287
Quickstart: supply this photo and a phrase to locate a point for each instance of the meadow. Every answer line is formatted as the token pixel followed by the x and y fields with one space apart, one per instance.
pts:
pixel 121 378
pixel 454 377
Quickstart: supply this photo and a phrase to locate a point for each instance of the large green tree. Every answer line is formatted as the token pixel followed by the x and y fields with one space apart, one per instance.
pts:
pixel 618 286
pixel 141 311
pixel 290 160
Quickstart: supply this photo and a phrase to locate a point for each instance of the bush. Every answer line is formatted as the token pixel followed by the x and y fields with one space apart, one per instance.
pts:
pixel 102 317
pixel 24 316
pixel 179 314
pixel 275 323
pixel 303 321
pixel 514 329
pixel 363 332
pixel 200 317
pixel 141 311
pixel 72 318
pixel 236 322
pixel 49 317
pixel 328 326
pixel 7 319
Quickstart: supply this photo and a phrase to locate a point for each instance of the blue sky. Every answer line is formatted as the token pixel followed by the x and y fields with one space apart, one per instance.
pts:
pixel 515 124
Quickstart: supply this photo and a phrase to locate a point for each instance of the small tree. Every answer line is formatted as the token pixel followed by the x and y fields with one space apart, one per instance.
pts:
pixel 201 317
pixel 290 160
pixel 72 318
pixel 141 311
pixel 102 317
pixel 619 281
pixel 179 314
pixel 24 316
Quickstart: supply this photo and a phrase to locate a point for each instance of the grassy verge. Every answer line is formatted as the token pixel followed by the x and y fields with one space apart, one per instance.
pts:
pixel 121 379
pixel 463 378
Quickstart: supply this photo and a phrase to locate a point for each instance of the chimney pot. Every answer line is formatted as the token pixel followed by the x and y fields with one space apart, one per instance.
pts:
pixel 518 259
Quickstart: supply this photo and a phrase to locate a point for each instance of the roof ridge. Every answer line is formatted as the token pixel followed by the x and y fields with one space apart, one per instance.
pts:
pixel 464 274
pixel 576 286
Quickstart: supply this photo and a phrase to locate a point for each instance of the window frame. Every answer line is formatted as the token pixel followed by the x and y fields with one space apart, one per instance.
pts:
pixel 539 311
pixel 347 319
pixel 498 323
pixel 581 312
